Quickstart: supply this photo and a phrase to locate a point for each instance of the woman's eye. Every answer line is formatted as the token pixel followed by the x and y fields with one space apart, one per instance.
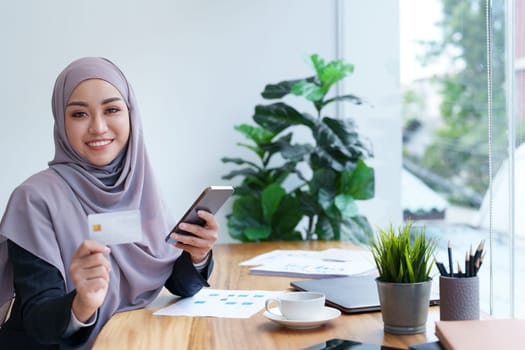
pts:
pixel 79 114
pixel 112 110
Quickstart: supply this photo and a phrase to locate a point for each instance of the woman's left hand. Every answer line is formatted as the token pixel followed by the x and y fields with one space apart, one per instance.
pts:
pixel 199 245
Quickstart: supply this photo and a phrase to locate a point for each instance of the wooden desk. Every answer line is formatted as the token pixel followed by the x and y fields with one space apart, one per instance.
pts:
pixel 139 329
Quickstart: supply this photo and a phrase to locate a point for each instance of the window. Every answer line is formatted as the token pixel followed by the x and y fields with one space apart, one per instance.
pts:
pixel 463 118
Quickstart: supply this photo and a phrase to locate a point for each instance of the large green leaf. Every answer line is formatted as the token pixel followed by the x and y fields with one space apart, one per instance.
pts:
pixel 247 209
pixel 279 116
pixel 246 188
pixel 289 151
pixel 359 183
pixel 276 146
pixel 246 172
pixel 270 198
pixel 329 139
pixel 280 174
pixel 287 236
pixel 296 152
pixel 281 89
pixel 333 213
pixel 286 217
pixel 348 98
pixel 246 213
pixel 247 220
pixel 324 229
pixel 310 91
pixel 255 179
pixel 236 228
pixel 325 198
pixel 318 63
pixel 338 146
pixel 330 73
pixel 343 129
pixel 329 224
pixel 357 230
pixel 334 72
pixel 309 204
pixel 320 159
pixel 323 179
pixel 239 161
pixel 346 133
pixel 254 149
pixel 346 205
pixel 257 233
pixel 256 134
pixel 257 183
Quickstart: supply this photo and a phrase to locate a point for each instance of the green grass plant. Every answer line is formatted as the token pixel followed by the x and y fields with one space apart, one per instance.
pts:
pixel 403 255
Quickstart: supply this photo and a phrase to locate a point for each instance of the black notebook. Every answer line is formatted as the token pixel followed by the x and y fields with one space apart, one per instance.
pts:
pixel 351 294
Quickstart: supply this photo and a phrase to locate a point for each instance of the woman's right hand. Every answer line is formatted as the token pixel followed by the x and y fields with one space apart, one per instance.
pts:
pixel 89 271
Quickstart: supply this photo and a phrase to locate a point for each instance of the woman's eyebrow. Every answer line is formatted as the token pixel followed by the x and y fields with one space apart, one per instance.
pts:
pixel 85 104
pixel 111 99
pixel 77 103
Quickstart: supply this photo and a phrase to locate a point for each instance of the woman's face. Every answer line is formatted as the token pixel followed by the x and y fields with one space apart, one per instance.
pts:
pixel 97 121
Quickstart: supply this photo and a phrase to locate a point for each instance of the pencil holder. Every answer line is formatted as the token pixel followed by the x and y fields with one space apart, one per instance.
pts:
pixel 458 298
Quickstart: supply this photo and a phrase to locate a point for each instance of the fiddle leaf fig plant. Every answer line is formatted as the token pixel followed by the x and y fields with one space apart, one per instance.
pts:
pixel 313 183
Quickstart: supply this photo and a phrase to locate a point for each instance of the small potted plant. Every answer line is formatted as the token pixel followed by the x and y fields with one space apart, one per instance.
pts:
pixel 404 259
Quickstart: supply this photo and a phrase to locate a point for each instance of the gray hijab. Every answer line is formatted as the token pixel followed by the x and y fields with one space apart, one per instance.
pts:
pixel 47 214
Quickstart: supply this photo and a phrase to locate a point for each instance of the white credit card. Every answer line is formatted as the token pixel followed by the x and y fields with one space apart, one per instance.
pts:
pixel 116 227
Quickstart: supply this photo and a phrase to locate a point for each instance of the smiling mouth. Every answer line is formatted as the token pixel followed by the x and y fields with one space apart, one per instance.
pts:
pixel 99 143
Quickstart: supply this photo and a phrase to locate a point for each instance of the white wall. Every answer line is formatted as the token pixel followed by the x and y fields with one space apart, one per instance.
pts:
pixel 197 67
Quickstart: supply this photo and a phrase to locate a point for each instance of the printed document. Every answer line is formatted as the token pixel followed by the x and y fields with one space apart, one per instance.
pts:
pixel 220 303
pixel 307 263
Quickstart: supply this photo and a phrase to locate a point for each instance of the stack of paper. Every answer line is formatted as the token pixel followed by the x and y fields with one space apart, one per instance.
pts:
pixel 312 264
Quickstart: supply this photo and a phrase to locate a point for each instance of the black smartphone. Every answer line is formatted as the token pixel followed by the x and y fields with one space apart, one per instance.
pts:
pixel 345 344
pixel 211 200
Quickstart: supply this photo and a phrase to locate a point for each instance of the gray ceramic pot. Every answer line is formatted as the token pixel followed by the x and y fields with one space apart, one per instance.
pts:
pixel 404 306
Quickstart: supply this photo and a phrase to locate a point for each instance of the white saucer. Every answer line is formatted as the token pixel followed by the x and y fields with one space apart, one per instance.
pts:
pixel 328 313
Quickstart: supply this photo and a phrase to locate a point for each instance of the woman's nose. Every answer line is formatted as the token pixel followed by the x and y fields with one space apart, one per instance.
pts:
pixel 98 124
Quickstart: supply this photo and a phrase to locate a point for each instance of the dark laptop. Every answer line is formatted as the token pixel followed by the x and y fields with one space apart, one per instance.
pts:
pixel 351 294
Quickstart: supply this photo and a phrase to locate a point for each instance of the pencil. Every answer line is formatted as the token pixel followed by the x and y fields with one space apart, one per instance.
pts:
pixel 479 250
pixel 476 267
pixel 441 268
pixel 467 265
pixel 472 261
pixel 450 260
pixel 479 261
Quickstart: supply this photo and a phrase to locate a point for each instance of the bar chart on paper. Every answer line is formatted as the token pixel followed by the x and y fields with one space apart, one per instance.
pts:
pixel 220 303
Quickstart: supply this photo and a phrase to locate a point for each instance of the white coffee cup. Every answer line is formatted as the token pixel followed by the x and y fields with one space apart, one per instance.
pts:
pixel 300 306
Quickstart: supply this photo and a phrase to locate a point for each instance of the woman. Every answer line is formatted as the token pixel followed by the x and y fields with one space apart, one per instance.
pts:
pixel 67 286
